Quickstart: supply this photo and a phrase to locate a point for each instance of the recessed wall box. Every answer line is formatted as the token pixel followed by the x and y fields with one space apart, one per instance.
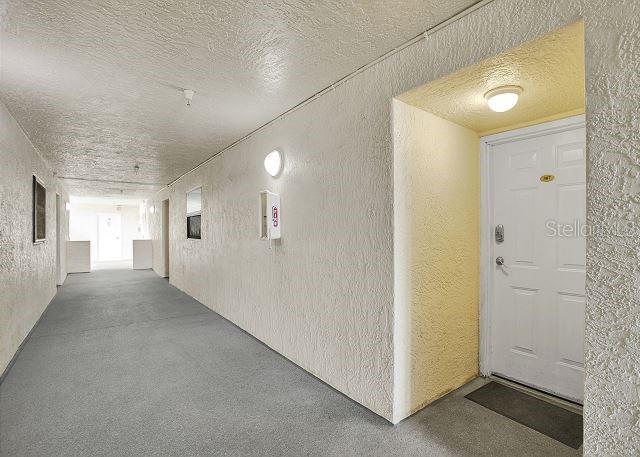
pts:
pixel 270 216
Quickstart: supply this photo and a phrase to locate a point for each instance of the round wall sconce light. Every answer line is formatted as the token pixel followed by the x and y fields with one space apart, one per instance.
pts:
pixel 152 209
pixel 503 98
pixel 273 163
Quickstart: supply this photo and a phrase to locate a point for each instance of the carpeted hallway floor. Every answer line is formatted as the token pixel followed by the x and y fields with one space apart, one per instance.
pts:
pixel 124 364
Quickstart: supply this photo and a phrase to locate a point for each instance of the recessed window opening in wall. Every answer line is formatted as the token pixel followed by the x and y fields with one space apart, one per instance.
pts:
pixel 39 211
pixel 486 315
pixel 194 213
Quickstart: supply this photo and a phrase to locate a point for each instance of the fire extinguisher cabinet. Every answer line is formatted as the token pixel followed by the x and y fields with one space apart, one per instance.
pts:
pixel 270 216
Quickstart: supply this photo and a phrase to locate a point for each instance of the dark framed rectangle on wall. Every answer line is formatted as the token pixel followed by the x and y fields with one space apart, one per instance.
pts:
pixel 194 213
pixel 39 214
pixel 193 226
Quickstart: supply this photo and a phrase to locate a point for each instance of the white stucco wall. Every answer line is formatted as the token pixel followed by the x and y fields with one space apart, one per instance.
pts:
pixel 64 234
pixel 27 271
pixel 78 256
pixel 321 296
pixel 324 297
pixel 436 257
pixel 142 254
pixel 153 230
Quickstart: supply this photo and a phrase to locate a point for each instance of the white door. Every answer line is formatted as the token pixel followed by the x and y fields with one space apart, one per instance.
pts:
pixel 109 237
pixel 537 314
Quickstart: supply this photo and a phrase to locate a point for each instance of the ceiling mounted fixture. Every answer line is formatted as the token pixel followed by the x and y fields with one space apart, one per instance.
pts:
pixel 188 95
pixel 503 98
pixel 273 163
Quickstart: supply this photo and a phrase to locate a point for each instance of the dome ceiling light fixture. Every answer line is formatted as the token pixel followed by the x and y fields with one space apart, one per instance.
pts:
pixel 503 98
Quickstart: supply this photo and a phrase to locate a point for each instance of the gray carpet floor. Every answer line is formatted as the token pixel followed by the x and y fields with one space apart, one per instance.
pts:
pixel 124 364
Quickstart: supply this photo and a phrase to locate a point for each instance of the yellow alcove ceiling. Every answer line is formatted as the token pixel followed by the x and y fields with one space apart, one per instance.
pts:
pixel 549 69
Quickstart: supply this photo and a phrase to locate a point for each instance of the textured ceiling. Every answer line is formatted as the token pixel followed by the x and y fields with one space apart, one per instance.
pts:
pixel 96 85
pixel 549 69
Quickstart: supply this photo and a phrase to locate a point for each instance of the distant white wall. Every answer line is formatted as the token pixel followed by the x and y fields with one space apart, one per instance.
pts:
pixel 142 254
pixel 78 256
pixel 83 225
pixel 27 271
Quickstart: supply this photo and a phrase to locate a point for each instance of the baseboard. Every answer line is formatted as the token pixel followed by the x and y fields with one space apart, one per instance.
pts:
pixel 24 341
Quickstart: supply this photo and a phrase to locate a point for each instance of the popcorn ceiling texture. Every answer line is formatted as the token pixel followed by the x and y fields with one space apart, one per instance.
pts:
pixel 27 271
pixel 551 69
pixel 98 84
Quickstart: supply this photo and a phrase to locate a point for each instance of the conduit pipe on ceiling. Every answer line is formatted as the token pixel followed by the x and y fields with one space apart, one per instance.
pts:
pixel 422 36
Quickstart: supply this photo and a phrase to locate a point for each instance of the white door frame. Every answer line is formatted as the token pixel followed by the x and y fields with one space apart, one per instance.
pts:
pixel 58 239
pixel 486 209
pixel 166 258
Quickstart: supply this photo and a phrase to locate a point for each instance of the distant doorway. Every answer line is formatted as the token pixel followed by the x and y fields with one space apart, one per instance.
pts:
pixel 109 237
pixel 165 236
pixel 58 240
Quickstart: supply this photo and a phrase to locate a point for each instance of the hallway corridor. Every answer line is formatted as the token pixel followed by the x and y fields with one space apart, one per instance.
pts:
pixel 122 363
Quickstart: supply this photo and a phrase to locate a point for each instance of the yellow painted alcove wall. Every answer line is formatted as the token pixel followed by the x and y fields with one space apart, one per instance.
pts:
pixel 437 129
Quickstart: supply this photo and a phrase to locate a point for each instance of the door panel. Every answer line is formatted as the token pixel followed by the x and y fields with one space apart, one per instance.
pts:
pixel 570 330
pixel 524 240
pixel 524 333
pixel 537 314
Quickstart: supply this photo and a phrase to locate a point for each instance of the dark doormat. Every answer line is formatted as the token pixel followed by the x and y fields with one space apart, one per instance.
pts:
pixel 555 422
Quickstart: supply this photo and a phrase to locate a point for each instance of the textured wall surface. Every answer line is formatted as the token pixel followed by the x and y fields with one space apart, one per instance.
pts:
pixel 97 85
pixel 152 229
pixel 332 309
pixel 612 391
pixel 436 257
pixel 321 296
pixel 27 271
pixel 63 232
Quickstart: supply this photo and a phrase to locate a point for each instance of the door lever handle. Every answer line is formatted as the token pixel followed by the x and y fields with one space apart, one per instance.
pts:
pixel 499 261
